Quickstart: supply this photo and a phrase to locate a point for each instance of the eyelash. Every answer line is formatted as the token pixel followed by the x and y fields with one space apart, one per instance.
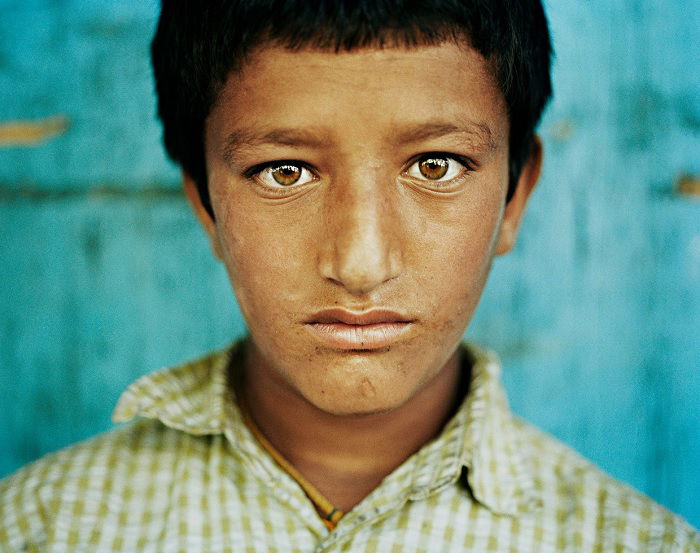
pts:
pixel 260 167
pixel 466 163
pixel 250 174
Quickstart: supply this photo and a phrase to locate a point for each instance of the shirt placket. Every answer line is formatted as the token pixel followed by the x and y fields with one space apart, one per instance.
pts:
pixel 282 487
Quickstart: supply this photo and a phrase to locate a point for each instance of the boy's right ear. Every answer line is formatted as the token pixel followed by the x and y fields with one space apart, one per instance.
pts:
pixel 203 216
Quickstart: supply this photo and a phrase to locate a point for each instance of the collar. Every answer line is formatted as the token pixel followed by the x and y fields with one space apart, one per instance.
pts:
pixel 193 397
pixel 482 437
pixel 495 451
pixel 482 444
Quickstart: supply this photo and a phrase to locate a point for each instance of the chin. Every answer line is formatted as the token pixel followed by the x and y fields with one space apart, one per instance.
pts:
pixel 358 401
pixel 355 410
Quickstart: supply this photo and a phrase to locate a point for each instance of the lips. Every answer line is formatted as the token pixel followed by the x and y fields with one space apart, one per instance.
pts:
pixel 360 331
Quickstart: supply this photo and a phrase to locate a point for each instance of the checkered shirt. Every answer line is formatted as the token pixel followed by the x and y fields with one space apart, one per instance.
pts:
pixel 188 476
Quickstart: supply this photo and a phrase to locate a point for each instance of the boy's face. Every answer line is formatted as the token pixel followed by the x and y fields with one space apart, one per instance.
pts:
pixel 359 199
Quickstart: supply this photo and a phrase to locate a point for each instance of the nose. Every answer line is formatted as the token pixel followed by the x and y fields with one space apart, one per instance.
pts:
pixel 362 247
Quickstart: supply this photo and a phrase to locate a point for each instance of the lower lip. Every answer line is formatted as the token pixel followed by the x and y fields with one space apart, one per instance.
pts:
pixel 359 337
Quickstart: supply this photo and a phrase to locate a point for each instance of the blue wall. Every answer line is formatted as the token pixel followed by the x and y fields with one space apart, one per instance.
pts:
pixel 105 275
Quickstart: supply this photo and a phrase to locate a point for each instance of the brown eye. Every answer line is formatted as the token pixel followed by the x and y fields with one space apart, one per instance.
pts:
pixel 434 168
pixel 286 175
pixel 437 169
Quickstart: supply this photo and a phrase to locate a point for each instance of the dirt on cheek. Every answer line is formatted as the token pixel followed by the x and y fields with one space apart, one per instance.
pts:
pixel 367 389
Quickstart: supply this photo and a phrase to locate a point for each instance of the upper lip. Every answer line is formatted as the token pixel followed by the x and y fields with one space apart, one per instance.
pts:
pixel 368 317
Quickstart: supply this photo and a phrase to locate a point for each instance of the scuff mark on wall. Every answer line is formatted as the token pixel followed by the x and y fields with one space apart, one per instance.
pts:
pixel 688 185
pixel 561 130
pixel 28 133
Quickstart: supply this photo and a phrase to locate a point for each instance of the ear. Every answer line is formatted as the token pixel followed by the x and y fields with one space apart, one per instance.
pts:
pixel 516 206
pixel 203 216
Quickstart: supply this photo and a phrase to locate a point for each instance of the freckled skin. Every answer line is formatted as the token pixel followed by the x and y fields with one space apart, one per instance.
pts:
pixel 362 235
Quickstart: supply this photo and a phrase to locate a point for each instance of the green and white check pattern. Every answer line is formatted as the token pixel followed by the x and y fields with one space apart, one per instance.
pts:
pixel 189 477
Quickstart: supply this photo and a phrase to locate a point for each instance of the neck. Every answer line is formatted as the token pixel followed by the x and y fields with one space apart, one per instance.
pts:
pixel 346 457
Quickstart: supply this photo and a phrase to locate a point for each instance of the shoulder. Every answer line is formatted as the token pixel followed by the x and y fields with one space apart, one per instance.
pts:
pixel 595 507
pixel 85 482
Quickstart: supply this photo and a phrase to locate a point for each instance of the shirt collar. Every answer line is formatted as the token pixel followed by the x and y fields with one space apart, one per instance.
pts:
pixel 483 442
pixel 193 397
pixel 500 471
pixel 482 437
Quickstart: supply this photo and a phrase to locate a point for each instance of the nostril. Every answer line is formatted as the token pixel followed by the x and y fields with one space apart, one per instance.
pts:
pixel 334 281
pixel 363 276
pixel 361 261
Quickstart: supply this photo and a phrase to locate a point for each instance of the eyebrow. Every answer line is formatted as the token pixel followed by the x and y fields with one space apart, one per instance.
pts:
pixel 307 137
pixel 476 133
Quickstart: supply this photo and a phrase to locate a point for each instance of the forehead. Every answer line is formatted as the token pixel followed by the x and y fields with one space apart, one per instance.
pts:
pixel 385 90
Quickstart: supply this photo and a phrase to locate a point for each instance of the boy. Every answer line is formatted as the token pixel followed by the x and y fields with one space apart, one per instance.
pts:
pixel 356 167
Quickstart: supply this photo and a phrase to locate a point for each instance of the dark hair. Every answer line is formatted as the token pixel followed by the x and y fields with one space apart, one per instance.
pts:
pixel 197 45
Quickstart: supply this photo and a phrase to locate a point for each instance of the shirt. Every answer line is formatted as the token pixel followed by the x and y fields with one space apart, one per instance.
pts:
pixel 188 476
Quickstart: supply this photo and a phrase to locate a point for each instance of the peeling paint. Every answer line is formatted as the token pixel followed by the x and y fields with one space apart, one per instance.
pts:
pixel 561 130
pixel 688 185
pixel 27 133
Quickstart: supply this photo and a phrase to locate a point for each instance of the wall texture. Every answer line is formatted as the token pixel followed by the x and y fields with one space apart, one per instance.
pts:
pixel 105 276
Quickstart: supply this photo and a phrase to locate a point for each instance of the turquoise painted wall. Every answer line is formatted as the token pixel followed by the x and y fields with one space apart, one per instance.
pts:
pixel 105 276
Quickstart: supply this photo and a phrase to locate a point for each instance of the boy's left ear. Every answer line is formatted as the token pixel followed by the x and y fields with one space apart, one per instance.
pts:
pixel 516 206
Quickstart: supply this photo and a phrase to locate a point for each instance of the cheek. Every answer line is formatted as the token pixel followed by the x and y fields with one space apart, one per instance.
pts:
pixel 455 249
pixel 456 263
pixel 264 262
